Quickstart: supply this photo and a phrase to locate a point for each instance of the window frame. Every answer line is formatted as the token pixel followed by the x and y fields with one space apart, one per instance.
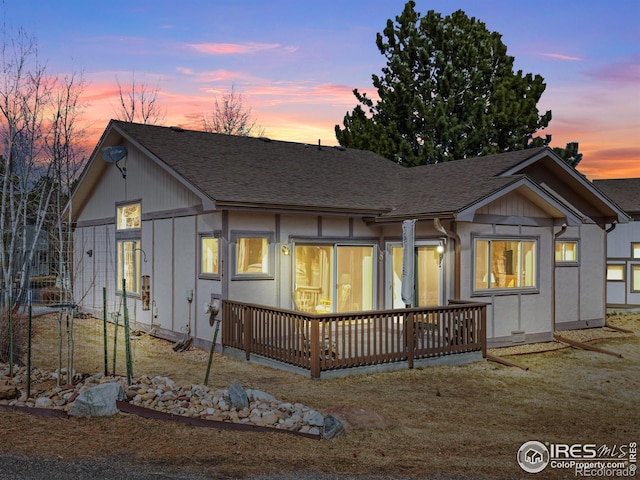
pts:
pixel 122 205
pixel 621 267
pixel 332 304
pixel 491 291
pixel 131 234
pixel 201 273
pixel 137 267
pixel 564 262
pixel 238 235
pixel 634 287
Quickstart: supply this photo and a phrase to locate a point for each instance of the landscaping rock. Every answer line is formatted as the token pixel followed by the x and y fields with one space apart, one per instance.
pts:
pixel 313 418
pixel 98 401
pixel 259 396
pixel 238 396
pixel 332 427
pixel 96 395
pixel 8 392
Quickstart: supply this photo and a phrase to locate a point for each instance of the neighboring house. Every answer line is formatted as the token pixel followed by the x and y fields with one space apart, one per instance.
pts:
pixel 318 228
pixel 623 244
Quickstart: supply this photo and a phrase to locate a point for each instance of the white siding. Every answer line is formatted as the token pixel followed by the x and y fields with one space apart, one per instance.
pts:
pixel 145 180
pixel 163 272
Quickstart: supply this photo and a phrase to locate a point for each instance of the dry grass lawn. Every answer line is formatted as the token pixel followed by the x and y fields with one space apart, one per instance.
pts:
pixel 467 421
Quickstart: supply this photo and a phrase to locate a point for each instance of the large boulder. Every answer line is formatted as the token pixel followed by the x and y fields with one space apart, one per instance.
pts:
pixel 332 427
pixel 98 401
pixel 238 397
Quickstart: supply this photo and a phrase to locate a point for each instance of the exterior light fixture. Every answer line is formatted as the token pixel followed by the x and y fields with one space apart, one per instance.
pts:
pixel 286 250
pixel 440 250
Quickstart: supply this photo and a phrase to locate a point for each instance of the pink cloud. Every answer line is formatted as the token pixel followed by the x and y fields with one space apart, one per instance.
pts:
pixel 219 76
pixel 627 72
pixel 561 56
pixel 236 48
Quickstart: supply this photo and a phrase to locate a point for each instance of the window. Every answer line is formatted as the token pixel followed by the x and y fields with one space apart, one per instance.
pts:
pixel 635 278
pixel 334 278
pixel 253 255
pixel 567 251
pixel 427 275
pixel 505 264
pixel 615 273
pixel 635 250
pixel 129 265
pixel 128 216
pixel 128 247
pixel 209 255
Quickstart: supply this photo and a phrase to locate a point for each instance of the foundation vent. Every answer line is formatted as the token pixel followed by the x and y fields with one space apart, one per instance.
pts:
pixel 517 336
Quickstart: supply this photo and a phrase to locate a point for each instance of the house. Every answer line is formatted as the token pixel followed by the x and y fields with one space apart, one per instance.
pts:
pixel 185 217
pixel 623 244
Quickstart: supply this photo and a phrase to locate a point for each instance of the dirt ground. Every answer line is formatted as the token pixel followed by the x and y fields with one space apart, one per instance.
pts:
pixel 466 421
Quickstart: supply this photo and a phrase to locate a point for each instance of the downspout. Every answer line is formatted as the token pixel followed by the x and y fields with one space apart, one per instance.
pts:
pixel 553 277
pixel 607 231
pixel 456 256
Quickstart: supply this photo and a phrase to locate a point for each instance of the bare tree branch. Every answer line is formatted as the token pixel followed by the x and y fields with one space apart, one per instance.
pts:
pixel 139 103
pixel 229 116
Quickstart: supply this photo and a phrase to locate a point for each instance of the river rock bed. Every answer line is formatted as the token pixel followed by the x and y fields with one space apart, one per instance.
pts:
pixel 234 404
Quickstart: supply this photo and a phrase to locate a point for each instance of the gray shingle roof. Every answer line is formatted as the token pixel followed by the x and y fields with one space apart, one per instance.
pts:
pixel 252 171
pixel 624 191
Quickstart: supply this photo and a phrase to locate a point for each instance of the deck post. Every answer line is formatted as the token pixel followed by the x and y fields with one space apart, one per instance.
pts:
pixel 483 330
pixel 410 340
pixel 315 348
pixel 247 331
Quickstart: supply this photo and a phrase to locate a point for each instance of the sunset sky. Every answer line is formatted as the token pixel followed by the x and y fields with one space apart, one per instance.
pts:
pixel 296 62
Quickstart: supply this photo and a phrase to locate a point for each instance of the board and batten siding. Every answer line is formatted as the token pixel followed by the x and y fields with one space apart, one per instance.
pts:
pixel 145 180
pixel 513 205
pixel 619 241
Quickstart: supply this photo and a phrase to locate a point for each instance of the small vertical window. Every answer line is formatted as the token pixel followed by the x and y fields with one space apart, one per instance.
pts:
pixel 129 265
pixel 209 255
pixel 635 278
pixel 635 250
pixel 615 273
pixel 567 251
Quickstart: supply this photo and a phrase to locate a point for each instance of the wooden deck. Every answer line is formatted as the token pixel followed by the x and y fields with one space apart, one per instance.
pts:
pixel 323 342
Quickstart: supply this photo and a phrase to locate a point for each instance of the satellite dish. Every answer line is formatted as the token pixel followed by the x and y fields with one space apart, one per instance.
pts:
pixel 113 154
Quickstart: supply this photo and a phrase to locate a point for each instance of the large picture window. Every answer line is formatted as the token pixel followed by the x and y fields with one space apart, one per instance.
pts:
pixel 209 255
pixel 505 264
pixel 253 255
pixel 334 278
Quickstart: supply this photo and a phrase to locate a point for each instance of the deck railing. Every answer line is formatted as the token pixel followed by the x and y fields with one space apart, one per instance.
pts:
pixel 321 342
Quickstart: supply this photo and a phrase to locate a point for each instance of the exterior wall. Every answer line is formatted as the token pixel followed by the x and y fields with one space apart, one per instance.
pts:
pixel 145 180
pixel 620 293
pixel 508 312
pixel 95 272
pixel 583 281
pixel 592 273
pixel 170 240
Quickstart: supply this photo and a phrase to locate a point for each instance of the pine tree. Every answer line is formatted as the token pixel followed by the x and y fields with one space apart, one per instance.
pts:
pixel 448 91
